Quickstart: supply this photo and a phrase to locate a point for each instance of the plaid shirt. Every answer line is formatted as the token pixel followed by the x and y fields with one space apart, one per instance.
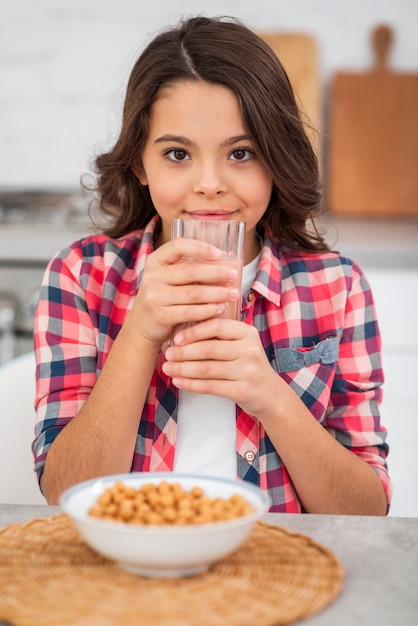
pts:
pixel 316 319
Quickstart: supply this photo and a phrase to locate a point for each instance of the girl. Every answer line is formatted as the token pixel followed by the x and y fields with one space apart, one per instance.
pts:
pixel 287 397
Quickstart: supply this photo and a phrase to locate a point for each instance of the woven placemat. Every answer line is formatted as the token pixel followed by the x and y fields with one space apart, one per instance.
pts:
pixel 50 577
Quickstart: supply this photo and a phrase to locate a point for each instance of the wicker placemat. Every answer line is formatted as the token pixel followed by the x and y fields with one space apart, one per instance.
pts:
pixel 50 577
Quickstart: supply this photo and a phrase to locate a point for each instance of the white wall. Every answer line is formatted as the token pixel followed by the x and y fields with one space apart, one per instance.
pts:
pixel 64 65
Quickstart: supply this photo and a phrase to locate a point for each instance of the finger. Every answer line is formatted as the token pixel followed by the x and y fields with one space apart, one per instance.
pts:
pixel 221 328
pixel 200 370
pixel 189 272
pixel 198 294
pixel 224 388
pixel 176 249
pixel 212 350
pixel 187 314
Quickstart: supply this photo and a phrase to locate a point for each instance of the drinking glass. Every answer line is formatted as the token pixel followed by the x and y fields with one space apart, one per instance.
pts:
pixel 226 235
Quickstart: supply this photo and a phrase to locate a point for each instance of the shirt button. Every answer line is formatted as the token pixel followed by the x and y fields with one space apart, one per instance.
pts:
pixel 251 296
pixel 249 456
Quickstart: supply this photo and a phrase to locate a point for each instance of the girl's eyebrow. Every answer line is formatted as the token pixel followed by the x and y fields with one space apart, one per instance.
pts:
pixel 173 139
pixel 233 140
pixel 186 142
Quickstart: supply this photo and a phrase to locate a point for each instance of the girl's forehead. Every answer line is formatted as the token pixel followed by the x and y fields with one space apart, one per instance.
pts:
pixel 183 87
pixel 195 99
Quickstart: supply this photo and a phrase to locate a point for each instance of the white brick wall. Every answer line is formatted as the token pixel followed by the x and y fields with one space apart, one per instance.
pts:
pixel 63 66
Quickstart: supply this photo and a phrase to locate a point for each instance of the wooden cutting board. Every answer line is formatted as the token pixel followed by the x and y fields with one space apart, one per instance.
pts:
pixel 373 138
pixel 298 53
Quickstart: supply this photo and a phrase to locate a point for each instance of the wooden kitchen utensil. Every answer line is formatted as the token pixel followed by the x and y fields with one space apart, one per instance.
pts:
pixel 373 138
pixel 298 53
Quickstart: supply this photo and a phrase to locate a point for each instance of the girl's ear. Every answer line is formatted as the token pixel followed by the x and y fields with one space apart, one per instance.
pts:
pixel 138 170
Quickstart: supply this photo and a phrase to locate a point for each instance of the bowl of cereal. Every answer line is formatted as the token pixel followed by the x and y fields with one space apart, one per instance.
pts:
pixel 164 524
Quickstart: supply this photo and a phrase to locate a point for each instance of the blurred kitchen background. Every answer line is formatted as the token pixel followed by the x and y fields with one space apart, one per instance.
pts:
pixel 63 71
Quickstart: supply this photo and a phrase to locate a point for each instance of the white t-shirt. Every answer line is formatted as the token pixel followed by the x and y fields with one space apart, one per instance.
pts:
pixel 206 424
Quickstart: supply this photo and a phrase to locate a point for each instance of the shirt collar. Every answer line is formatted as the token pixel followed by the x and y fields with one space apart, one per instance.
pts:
pixel 268 279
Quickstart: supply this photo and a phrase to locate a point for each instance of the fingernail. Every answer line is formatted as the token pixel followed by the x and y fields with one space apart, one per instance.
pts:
pixel 167 368
pixel 233 294
pixel 178 339
pixel 233 273
pixel 215 253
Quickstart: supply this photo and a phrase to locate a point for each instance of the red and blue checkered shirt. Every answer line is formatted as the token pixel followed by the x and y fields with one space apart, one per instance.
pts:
pixel 316 319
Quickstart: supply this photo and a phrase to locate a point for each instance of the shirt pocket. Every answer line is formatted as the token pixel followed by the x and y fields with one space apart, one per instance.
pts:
pixel 293 359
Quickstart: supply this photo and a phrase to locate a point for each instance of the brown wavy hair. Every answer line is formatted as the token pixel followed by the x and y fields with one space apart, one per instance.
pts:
pixel 221 51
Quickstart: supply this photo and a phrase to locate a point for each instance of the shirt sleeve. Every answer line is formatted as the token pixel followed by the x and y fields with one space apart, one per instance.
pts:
pixel 66 350
pixel 353 415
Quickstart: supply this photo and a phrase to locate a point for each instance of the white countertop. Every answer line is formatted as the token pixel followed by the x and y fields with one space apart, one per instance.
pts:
pixel 378 243
pixel 37 241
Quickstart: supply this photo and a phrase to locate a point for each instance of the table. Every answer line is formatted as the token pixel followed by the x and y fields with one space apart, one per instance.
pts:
pixel 379 556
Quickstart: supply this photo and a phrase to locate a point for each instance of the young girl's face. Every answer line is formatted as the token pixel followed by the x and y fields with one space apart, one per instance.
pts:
pixel 199 161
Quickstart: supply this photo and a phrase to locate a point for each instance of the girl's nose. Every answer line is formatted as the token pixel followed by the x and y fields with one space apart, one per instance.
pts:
pixel 209 180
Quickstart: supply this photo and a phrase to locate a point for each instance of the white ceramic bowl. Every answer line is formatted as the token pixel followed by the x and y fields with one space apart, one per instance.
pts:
pixel 164 551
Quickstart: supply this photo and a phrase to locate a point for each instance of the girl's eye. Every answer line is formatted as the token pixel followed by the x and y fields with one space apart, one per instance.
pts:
pixel 175 154
pixel 242 154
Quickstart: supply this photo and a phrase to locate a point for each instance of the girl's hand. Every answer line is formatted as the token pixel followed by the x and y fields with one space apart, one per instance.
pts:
pixel 226 358
pixel 174 292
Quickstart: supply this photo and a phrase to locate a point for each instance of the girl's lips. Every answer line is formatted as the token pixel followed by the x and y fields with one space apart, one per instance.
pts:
pixel 211 215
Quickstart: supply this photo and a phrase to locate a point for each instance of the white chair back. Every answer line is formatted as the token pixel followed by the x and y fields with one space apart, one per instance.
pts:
pixel 18 483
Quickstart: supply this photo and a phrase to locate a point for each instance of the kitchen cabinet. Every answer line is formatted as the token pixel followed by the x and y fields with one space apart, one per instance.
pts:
pixel 396 296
